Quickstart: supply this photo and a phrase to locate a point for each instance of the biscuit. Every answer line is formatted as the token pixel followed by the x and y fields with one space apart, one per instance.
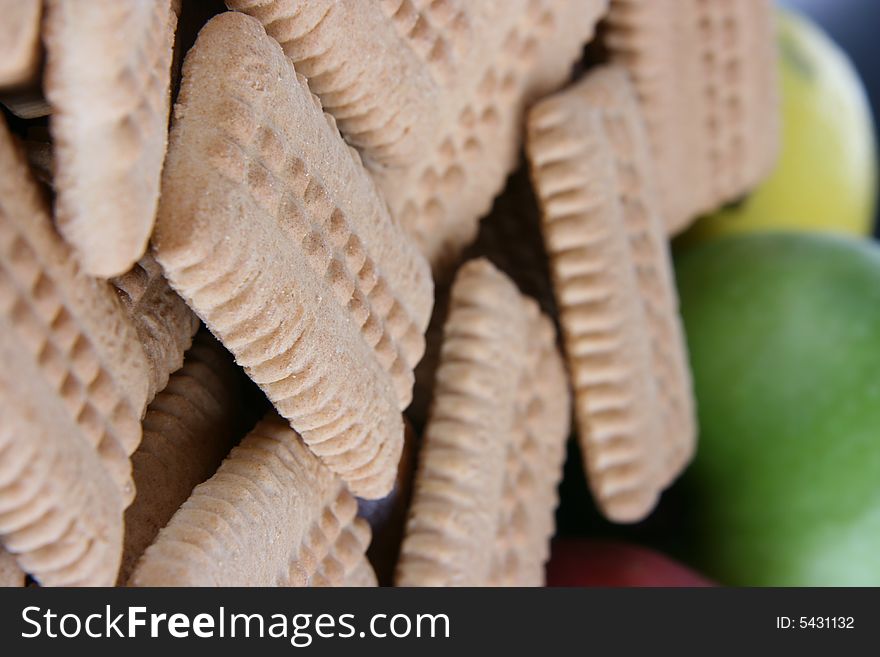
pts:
pixel 70 325
pixel 164 323
pixel 611 268
pixel 491 457
pixel 432 93
pixel 188 430
pixel 107 80
pixel 705 75
pixel 10 574
pixel 60 508
pixel 19 43
pixel 612 93
pixel 382 96
pixel 75 394
pixel 272 515
pixel 288 253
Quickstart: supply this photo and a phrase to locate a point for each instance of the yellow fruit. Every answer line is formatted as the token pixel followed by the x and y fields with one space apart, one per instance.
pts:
pixel 826 176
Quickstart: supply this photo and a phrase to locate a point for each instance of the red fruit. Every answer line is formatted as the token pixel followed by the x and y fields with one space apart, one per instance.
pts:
pixel 590 562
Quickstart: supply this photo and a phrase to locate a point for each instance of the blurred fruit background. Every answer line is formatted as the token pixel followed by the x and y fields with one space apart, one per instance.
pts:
pixel 780 295
pixel 826 174
pixel 852 25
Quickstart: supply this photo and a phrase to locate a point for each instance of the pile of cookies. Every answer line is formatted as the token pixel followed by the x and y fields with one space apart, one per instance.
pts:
pixel 254 331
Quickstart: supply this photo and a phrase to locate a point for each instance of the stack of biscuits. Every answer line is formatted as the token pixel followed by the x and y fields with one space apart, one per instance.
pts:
pixel 314 292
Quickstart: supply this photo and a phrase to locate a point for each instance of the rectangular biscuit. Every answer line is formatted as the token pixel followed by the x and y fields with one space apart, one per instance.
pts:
pixel 491 457
pixel 74 391
pixel 108 67
pixel 188 430
pixel 272 515
pixel 60 508
pixel 72 326
pixel 274 234
pixel 383 98
pixel 593 175
pixel 611 93
pixel 441 140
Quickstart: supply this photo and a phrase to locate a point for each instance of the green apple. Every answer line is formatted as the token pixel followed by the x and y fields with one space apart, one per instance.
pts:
pixel 784 338
pixel 826 175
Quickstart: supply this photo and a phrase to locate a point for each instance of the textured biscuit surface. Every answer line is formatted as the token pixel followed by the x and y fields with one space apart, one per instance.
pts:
pixel 378 93
pixel 75 390
pixel 705 76
pixel 19 42
pixel 611 92
pixel 60 510
pixel 189 428
pixel 288 253
pixel 71 325
pixel 107 80
pixel 612 275
pixel 272 515
pixel 164 323
pixel 485 490
pixel 432 92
